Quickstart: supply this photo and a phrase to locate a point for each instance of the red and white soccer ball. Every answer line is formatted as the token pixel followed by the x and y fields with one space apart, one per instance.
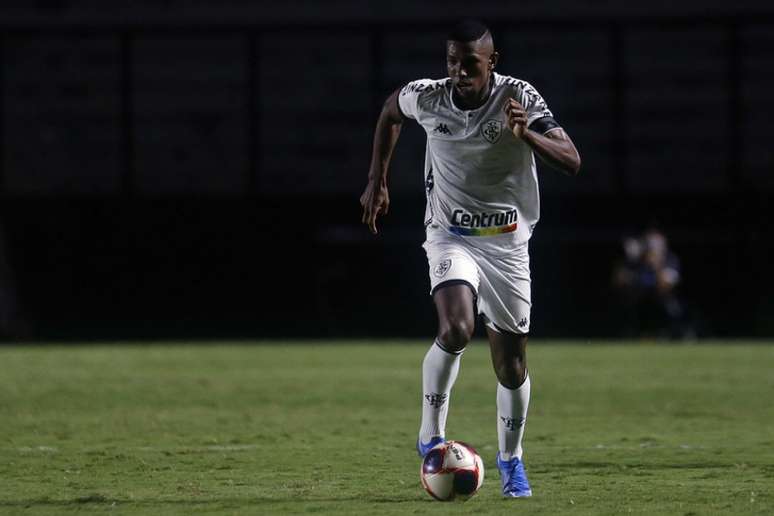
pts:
pixel 452 471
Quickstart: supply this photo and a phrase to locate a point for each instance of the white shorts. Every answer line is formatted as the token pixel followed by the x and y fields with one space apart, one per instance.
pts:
pixel 501 283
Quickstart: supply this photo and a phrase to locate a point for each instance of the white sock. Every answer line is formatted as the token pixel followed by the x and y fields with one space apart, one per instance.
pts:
pixel 439 371
pixel 511 417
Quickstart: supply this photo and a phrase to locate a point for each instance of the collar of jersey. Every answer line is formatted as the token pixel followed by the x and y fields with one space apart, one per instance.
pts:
pixel 491 93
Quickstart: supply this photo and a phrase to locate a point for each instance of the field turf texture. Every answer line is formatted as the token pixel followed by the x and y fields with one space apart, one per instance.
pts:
pixel 329 428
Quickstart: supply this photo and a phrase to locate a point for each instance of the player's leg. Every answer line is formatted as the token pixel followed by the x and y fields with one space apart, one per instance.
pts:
pixel 505 302
pixel 509 359
pixel 453 284
pixel 454 302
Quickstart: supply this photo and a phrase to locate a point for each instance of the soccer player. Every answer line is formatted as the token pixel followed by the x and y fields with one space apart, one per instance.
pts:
pixel 483 130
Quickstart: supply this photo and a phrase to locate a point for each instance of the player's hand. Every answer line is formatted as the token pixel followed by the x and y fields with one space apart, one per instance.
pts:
pixel 375 201
pixel 517 117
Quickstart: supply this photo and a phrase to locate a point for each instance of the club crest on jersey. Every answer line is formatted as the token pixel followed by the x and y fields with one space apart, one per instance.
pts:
pixel 442 268
pixel 491 130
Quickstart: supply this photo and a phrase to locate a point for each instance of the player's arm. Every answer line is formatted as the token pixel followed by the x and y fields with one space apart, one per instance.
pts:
pixel 376 199
pixel 554 147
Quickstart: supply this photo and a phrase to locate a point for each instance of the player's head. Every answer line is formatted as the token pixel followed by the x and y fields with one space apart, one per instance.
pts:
pixel 470 57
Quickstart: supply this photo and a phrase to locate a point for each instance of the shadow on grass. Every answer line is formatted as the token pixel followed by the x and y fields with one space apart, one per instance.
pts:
pixel 636 465
pixel 97 499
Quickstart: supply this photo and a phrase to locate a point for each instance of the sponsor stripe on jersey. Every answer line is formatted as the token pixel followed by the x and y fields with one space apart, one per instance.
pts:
pixel 458 230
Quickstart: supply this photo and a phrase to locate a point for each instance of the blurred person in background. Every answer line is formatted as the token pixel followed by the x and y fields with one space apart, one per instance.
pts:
pixel 646 282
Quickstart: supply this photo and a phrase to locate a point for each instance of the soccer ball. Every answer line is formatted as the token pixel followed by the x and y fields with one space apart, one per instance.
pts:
pixel 452 471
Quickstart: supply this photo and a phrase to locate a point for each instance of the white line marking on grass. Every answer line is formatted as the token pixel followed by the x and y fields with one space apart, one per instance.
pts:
pixel 231 447
pixel 209 448
pixel 45 449
pixel 646 445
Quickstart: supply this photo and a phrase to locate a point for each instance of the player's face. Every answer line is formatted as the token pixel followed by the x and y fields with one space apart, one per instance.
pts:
pixel 469 65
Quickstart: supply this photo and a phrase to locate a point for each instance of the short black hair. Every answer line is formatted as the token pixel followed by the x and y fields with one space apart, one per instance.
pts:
pixel 467 30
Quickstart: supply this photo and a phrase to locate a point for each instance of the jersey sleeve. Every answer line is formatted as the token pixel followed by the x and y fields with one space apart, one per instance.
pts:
pixel 409 98
pixel 539 118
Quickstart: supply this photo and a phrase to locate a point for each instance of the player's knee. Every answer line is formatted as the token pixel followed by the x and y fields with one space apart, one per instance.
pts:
pixel 511 374
pixel 456 334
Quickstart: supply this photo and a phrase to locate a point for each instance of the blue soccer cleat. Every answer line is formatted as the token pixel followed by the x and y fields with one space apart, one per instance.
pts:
pixel 422 449
pixel 514 478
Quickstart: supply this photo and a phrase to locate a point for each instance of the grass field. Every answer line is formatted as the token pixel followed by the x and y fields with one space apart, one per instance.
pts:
pixel 329 428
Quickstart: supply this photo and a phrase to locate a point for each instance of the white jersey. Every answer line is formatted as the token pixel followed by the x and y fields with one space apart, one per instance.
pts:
pixel 480 180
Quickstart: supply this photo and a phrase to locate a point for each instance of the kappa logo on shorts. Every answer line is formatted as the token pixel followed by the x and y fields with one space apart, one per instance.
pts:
pixel 522 323
pixel 492 130
pixel 442 268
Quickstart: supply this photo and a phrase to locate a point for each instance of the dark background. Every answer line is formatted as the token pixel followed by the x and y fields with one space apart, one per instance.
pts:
pixel 192 169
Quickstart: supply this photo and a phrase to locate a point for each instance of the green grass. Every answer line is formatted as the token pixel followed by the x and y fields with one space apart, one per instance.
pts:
pixel 329 428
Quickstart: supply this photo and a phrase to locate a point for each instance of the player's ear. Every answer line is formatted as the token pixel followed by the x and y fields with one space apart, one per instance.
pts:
pixel 493 60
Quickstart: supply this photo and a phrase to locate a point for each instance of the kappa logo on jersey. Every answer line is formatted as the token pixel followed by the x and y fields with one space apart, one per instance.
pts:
pixel 522 323
pixel 513 423
pixel 441 129
pixel 442 268
pixel 491 130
